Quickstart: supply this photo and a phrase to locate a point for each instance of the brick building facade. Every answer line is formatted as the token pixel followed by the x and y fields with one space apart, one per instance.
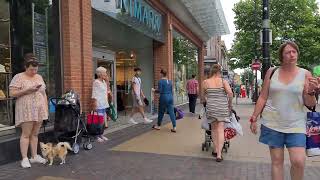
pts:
pixel 77 46
pixel 79 27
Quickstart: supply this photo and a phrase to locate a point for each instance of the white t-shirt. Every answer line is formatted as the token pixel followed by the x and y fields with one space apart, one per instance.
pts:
pixel 137 82
pixel 100 93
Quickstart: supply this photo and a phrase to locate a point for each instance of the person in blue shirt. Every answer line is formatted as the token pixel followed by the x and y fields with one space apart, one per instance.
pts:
pixel 165 101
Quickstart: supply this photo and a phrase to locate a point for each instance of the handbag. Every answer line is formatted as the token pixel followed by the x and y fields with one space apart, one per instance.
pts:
pixel 95 123
pixel 113 113
pixel 179 113
pixel 146 101
pixel 313 133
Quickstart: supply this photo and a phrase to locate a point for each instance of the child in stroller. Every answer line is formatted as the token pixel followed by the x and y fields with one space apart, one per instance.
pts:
pixel 208 137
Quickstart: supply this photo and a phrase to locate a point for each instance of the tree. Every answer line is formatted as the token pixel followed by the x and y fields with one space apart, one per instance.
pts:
pixel 185 54
pixel 296 20
pixel 247 77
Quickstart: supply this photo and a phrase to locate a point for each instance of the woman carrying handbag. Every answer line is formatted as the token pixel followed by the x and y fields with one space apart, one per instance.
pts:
pixel 100 100
pixel 285 92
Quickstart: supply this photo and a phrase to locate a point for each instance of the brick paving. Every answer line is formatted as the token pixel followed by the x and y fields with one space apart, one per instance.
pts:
pixel 102 163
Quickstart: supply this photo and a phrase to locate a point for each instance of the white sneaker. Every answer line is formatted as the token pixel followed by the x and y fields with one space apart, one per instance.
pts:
pixel 38 159
pixel 100 140
pixel 132 121
pixel 104 138
pixel 147 121
pixel 25 163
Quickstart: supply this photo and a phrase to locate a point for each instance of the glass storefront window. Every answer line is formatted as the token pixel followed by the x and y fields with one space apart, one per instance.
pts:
pixel 28 26
pixel 185 57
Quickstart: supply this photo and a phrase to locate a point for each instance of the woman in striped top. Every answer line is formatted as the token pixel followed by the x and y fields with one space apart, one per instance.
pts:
pixel 218 102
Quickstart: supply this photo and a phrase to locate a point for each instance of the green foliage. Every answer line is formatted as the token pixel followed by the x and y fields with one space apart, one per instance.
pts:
pixel 296 20
pixel 184 52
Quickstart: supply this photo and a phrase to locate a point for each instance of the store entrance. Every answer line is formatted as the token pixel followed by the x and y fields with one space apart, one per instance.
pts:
pixel 125 64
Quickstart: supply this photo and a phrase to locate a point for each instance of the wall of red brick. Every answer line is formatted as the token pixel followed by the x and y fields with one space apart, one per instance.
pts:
pixel 76 32
pixel 163 53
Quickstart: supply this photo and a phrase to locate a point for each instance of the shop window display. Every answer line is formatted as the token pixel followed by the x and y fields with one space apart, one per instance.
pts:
pixel 185 56
pixel 26 26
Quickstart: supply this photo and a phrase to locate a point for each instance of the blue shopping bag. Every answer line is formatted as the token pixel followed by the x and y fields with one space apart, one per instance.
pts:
pixel 313 134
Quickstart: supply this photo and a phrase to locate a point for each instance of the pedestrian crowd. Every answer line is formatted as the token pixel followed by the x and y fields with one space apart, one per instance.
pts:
pixel 286 90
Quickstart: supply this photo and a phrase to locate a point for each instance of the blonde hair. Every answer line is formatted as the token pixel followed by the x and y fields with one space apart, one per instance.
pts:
pixel 216 68
pixel 100 70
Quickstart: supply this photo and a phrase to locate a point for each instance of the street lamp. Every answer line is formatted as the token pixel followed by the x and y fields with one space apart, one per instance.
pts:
pixel 265 38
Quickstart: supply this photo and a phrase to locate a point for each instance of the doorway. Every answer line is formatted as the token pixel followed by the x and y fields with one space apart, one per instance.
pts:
pixel 125 64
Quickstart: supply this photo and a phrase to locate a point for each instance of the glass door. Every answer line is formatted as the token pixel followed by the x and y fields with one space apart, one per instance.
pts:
pixel 125 71
pixel 110 66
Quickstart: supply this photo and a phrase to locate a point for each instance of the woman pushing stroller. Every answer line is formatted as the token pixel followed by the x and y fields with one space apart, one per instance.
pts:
pixel 218 102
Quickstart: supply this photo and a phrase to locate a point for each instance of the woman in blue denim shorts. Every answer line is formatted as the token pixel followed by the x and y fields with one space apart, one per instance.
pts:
pixel 286 90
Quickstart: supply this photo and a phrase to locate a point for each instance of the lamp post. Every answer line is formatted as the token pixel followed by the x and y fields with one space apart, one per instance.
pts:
pixel 265 38
pixel 255 95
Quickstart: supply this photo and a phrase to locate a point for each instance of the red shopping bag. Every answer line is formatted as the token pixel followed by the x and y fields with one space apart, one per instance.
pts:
pixel 229 133
pixel 95 123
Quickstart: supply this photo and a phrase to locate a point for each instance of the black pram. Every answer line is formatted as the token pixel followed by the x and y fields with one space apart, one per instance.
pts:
pixel 69 125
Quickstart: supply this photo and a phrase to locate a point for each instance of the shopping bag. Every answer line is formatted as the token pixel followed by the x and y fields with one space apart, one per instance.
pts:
pixel 234 124
pixel 229 133
pixel 313 134
pixel 204 122
pixel 113 113
pixel 179 113
pixel 95 123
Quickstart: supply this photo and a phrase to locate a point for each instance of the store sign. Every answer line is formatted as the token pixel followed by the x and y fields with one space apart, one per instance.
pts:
pixel 141 11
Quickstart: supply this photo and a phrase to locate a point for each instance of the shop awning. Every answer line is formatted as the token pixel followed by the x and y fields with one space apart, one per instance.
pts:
pixel 208 15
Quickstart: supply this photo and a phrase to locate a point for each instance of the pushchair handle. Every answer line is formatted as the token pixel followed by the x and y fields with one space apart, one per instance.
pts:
pixel 55 100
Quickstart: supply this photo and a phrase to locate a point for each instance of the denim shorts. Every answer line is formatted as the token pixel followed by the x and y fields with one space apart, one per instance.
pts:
pixel 275 139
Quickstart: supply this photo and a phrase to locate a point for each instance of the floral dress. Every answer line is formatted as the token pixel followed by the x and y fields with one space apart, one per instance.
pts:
pixel 30 107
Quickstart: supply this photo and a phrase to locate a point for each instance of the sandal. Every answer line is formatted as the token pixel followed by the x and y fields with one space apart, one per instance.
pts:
pixel 214 154
pixel 173 130
pixel 219 159
pixel 155 128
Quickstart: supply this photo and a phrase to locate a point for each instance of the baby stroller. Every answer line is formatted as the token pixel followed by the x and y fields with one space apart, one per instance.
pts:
pixel 208 137
pixel 69 125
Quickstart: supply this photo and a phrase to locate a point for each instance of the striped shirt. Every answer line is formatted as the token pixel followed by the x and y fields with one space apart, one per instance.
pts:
pixel 192 86
pixel 217 103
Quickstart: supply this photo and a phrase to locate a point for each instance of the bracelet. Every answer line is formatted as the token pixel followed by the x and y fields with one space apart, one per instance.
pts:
pixel 251 119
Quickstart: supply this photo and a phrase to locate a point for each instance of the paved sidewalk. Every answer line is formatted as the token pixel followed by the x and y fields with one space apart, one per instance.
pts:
pixel 138 153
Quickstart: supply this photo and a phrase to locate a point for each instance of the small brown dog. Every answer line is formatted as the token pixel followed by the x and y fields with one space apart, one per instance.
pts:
pixel 50 152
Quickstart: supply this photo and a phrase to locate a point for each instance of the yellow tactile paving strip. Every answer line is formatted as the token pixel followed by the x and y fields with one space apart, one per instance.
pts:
pixel 187 142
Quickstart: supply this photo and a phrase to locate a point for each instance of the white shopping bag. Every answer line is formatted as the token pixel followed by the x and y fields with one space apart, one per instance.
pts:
pixel 204 120
pixel 234 124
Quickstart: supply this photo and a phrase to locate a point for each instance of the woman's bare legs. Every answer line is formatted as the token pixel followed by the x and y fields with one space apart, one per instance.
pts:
pixel 25 138
pixel 34 138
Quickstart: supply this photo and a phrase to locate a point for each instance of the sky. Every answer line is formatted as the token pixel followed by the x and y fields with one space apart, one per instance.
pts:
pixel 227 6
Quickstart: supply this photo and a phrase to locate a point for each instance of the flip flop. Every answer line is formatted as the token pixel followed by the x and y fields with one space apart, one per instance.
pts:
pixel 155 128
pixel 219 159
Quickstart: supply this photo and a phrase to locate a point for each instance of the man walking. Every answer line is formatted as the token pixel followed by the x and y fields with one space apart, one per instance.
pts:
pixel 137 97
pixel 193 91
